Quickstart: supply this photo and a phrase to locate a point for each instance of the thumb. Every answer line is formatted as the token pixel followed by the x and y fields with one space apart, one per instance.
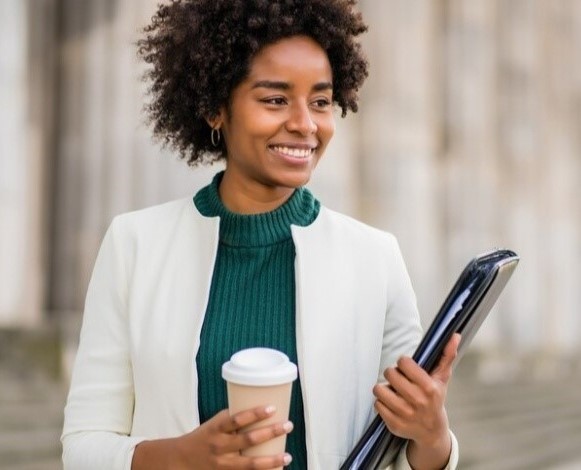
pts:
pixel 443 370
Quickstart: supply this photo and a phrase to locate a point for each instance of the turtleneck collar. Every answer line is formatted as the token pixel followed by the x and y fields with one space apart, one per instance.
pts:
pixel 257 229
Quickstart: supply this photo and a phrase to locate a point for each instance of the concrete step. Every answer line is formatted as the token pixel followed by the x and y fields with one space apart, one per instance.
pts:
pixel 509 425
pixel 517 425
pixel 31 416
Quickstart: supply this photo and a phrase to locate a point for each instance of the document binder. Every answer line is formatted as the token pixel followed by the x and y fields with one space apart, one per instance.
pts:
pixel 463 311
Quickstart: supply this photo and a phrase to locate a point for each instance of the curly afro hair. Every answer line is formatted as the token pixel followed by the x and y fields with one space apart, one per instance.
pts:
pixel 200 50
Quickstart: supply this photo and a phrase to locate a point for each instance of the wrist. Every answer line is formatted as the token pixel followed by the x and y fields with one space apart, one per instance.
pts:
pixel 174 453
pixel 435 441
pixel 430 454
pixel 156 454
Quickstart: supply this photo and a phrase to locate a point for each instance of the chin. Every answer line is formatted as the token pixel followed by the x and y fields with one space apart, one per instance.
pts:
pixel 294 178
pixel 294 181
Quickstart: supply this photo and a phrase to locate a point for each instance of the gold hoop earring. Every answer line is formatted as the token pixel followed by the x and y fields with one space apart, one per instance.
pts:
pixel 215 136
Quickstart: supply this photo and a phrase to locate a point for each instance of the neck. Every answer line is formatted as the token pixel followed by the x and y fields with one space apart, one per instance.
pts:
pixel 251 198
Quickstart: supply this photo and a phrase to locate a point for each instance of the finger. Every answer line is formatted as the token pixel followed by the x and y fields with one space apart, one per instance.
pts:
pixel 241 462
pixel 394 423
pixel 228 444
pixel 423 388
pixel 402 386
pixel 246 439
pixel 413 372
pixel 389 399
pixel 228 424
pixel 443 370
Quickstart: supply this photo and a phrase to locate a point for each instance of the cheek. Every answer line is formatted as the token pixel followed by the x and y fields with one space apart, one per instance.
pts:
pixel 258 121
pixel 244 139
pixel 327 129
pixel 259 130
pixel 252 123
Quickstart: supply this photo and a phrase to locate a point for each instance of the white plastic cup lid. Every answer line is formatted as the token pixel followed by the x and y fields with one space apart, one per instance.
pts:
pixel 259 367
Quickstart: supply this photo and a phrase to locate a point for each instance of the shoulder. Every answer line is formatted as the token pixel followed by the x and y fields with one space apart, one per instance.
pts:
pixel 168 216
pixel 147 239
pixel 161 225
pixel 335 224
pixel 155 215
pixel 335 234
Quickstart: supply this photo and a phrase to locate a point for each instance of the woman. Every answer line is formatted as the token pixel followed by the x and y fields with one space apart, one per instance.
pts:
pixel 253 260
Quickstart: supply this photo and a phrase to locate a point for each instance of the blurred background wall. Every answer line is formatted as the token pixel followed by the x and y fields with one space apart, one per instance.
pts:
pixel 468 138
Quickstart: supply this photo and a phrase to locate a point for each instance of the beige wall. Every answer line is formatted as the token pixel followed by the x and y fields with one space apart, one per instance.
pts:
pixel 467 139
pixel 472 118
pixel 23 167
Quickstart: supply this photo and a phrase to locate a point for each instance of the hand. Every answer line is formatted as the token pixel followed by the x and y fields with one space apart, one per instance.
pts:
pixel 412 406
pixel 217 443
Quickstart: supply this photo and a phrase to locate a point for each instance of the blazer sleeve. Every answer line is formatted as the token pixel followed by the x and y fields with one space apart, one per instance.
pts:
pixel 99 409
pixel 401 461
pixel 402 330
pixel 402 334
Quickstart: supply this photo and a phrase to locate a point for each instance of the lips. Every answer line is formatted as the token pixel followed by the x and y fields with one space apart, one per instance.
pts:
pixel 294 152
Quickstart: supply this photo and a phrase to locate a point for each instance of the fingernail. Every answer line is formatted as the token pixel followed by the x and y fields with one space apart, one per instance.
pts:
pixel 287 459
pixel 288 426
pixel 270 409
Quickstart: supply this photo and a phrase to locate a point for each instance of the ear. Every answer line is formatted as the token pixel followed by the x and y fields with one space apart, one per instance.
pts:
pixel 215 122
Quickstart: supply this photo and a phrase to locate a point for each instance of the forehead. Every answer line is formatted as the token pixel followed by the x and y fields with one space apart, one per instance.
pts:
pixel 297 56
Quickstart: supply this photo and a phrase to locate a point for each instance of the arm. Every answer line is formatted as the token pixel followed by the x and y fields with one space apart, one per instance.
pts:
pixel 402 463
pixel 413 408
pixel 216 444
pixel 99 410
pixel 402 334
pixel 98 414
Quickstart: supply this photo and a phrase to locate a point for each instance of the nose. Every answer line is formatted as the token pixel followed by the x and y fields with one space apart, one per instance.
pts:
pixel 300 120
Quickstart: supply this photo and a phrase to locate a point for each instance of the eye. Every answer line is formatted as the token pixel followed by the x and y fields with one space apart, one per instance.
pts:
pixel 274 100
pixel 322 103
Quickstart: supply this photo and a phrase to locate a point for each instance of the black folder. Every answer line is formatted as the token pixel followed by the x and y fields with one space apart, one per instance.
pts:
pixel 463 311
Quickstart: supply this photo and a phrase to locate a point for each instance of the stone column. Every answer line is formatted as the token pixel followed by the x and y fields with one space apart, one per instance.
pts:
pixel 559 160
pixel 107 162
pixel 540 154
pixel 13 155
pixel 400 137
pixel 521 67
pixel 26 52
pixel 473 188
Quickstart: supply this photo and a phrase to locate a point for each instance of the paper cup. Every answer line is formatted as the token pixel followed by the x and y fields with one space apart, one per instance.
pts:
pixel 260 377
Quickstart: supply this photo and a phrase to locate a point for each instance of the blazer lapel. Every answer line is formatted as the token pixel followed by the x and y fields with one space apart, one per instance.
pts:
pixel 323 302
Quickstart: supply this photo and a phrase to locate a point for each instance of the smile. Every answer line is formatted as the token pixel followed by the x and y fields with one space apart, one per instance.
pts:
pixel 293 152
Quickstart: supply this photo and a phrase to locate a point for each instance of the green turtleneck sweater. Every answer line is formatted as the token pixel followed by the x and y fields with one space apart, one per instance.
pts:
pixel 252 298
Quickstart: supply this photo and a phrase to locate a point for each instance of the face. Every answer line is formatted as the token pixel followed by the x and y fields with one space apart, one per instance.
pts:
pixel 280 118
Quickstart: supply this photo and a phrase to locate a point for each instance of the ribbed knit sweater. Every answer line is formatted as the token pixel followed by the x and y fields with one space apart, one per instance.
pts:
pixel 252 298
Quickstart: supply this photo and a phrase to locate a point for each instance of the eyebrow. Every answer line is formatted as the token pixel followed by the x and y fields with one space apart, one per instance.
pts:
pixel 287 86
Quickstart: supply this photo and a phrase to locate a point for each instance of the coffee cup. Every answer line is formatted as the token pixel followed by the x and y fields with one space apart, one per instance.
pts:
pixel 260 377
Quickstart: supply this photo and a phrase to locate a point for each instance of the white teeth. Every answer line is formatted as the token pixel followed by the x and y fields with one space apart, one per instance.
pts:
pixel 292 152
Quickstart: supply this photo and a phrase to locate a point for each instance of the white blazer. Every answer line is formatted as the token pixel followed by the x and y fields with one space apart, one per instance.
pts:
pixel 135 373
